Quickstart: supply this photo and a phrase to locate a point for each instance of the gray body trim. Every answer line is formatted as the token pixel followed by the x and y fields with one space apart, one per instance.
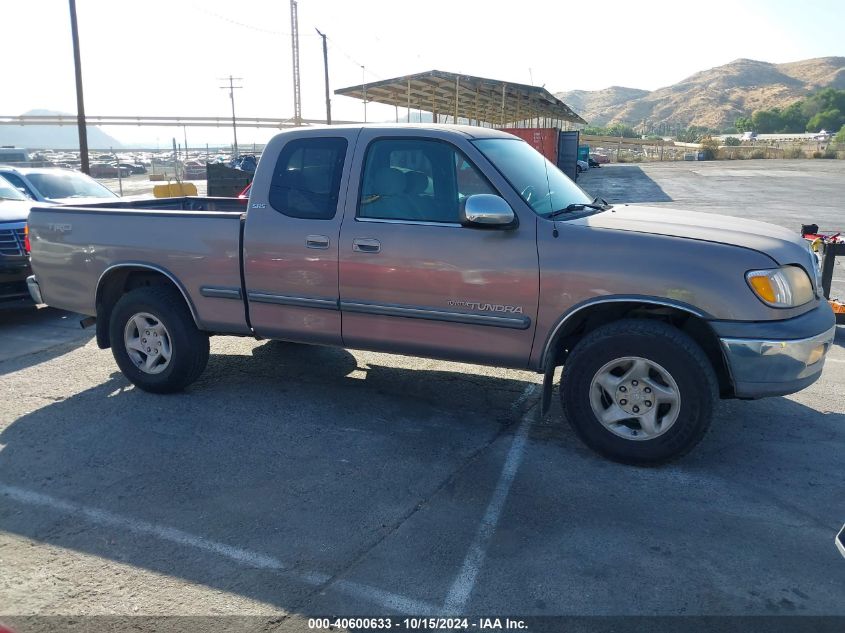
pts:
pixel 454 225
pixel 302 302
pixel 220 292
pixel 516 323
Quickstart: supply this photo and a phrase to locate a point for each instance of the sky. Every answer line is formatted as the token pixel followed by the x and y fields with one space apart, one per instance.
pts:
pixel 167 57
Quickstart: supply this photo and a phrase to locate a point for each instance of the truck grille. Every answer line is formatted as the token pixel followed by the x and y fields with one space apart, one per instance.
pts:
pixel 12 240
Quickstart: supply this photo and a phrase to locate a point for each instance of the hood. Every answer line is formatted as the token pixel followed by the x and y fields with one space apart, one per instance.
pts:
pixel 782 245
pixel 15 210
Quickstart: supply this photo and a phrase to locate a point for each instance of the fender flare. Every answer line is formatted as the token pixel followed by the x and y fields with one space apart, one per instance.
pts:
pixel 547 360
pixel 102 324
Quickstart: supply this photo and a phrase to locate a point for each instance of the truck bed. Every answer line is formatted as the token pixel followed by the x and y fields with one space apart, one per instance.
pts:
pixel 185 203
pixel 194 241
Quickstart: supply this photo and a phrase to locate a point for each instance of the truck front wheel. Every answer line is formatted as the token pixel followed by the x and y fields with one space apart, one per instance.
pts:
pixel 154 340
pixel 639 391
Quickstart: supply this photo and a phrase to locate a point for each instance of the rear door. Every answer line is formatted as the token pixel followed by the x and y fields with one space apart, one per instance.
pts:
pixel 291 236
pixel 567 153
pixel 412 279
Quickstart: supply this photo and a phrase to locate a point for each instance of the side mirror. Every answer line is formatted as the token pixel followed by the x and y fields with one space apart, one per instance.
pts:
pixel 484 210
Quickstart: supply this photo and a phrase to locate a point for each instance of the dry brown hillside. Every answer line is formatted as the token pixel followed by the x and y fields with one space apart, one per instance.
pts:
pixel 712 98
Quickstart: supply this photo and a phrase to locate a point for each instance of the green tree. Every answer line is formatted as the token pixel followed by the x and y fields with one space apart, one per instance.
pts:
pixel 617 129
pixel 827 120
pixel 767 121
pixel 793 119
pixel 743 124
pixel 823 100
pixel 694 134
pixel 840 135
pixel 732 141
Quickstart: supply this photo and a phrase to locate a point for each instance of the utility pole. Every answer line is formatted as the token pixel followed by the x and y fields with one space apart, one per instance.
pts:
pixel 326 66
pixel 294 37
pixel 80 102
pixel 232 87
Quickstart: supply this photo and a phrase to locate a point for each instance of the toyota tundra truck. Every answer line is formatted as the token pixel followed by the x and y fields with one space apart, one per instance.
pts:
pixel 457 243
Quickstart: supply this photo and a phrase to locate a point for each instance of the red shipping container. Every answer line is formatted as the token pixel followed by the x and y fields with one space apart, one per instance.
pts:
pixel 543 139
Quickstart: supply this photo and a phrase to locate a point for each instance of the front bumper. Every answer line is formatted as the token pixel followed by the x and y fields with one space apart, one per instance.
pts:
pixel 13 287
pixel 771 365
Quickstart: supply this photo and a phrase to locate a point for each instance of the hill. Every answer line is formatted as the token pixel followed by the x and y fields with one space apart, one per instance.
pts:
pixel 53 136
pixel 711 98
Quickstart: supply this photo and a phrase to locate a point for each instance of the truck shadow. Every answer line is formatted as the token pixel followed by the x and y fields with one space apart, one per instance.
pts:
pixel 622 183
pixel 302 454
pixel 32 335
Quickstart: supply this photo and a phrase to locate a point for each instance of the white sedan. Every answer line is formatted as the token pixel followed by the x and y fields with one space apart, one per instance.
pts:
pixel 56 185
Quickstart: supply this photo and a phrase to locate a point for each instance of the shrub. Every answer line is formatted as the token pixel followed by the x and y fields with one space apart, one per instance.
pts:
pixel 793 152
pixel 732 141
pixel 829 153
pixel 757 153
pixel 709 147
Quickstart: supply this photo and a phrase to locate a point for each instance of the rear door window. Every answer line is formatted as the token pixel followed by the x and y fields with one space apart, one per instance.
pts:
pixel 306 180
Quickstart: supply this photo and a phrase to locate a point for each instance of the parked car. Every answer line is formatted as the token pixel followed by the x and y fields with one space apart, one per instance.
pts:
pixel 56 185
pixel 601 159
pixel 14 246
pixel 582 165
pixel 133 168
pixel 194 170
pixel 360 239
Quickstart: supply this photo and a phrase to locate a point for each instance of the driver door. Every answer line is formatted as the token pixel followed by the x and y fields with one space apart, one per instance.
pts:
pixel 412 278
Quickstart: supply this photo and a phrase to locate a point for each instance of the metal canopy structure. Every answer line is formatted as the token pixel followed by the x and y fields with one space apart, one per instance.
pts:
pixel 475 99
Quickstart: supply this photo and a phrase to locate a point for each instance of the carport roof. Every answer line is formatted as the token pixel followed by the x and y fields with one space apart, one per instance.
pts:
pixel 476 99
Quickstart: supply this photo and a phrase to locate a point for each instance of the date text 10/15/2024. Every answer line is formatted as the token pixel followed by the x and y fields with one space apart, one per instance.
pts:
pixel 416 624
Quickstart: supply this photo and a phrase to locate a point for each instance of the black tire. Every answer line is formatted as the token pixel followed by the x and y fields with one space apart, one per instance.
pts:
pixel 189 346
pixel 654 341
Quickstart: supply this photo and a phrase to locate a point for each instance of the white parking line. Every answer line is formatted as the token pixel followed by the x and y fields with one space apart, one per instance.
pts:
pixel 380 597
pixel 104 517
pixel 464 582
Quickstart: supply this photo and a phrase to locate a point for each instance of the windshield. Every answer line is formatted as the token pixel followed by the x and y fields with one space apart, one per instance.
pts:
pixel 540 183
pixel 69 184
pixel 8 191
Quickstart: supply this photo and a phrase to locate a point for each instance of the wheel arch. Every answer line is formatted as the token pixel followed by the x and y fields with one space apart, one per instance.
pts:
pixel 588 316
pixel 118 279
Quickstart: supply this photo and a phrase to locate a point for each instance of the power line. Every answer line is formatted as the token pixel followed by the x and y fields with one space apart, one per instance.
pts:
pixel 251 27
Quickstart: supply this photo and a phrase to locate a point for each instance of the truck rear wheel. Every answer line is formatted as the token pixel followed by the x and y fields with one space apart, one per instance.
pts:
pixel 639 391
pixel 154 340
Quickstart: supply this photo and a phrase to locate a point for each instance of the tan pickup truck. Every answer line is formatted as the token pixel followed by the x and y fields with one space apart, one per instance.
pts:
pixel 459 243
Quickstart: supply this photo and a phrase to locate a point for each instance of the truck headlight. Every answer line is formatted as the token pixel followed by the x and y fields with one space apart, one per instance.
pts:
pixel 784 287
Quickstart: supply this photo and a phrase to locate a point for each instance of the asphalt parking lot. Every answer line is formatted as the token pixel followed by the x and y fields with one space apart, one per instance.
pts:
pixel 294 481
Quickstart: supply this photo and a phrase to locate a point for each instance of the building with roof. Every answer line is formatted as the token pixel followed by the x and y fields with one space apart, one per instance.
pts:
pixel 453 98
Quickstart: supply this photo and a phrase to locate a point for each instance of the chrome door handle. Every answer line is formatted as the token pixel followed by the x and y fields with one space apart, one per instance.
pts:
pixel 317 241
pixel 362 245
